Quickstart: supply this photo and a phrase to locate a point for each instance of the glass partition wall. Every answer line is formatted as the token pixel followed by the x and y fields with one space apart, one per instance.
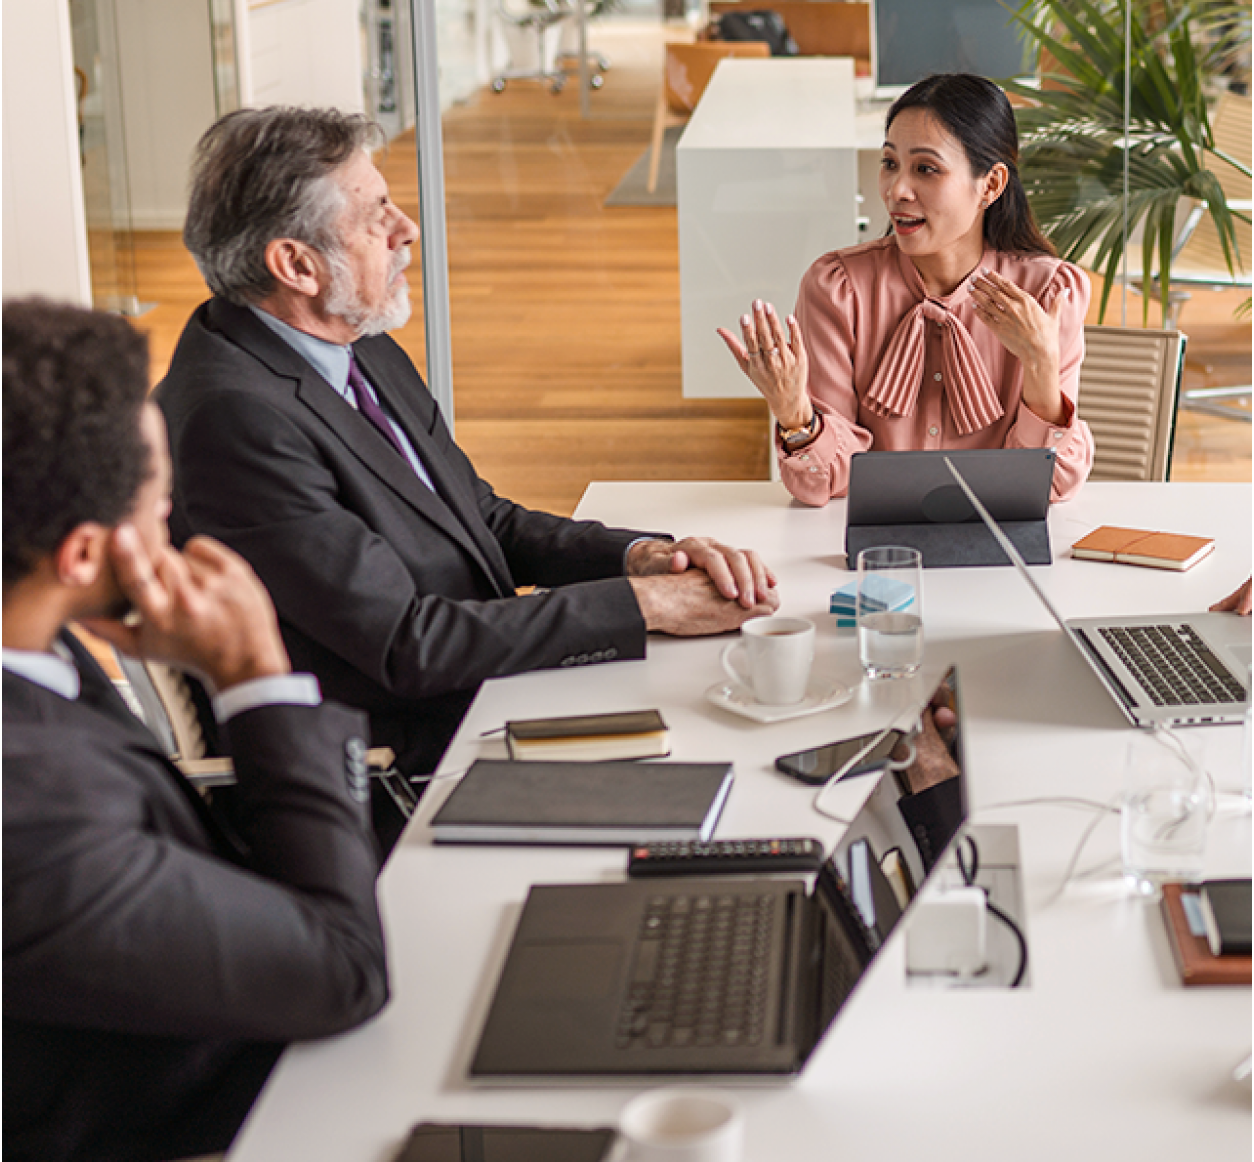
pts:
pixel 563 292
pixel 561 310
pixel 102 150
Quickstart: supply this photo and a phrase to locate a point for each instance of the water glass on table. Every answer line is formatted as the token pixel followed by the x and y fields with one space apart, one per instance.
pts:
pixel 890 611
pixel 1167 805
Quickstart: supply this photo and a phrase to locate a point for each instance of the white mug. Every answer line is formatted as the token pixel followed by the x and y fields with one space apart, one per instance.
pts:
pixel 779 652
pixel 682 1125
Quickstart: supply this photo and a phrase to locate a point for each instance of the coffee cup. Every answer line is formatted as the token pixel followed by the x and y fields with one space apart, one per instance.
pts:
pixel 773 659
pixel 682 1125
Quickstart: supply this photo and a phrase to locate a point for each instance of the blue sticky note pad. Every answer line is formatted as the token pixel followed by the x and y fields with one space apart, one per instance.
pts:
pixel 880 593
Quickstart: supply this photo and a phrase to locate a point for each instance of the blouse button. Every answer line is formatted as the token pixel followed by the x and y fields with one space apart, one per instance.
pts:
pixel 933 431
pixel 804 458
pixel 937 377
pixel 815 471
pixel 1057 435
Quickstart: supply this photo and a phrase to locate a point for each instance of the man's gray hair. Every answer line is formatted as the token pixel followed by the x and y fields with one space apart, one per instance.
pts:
pixel 262 174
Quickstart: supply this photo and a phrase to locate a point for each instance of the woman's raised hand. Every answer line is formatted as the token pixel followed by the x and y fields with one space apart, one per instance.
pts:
pixel 775 362
pixel 1027 331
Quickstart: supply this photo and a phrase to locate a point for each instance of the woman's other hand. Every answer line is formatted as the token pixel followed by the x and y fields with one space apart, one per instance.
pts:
pixel 1030 333
pixel 775 362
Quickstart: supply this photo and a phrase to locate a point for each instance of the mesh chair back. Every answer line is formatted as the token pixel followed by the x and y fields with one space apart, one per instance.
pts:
pixel 181 713
pixel 1128 388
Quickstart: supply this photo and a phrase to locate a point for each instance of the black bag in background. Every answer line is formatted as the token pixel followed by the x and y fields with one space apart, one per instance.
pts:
pixel 758 25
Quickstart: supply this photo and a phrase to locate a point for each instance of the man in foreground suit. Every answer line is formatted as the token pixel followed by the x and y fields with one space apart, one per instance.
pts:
pixel 304 438
pixel 154 965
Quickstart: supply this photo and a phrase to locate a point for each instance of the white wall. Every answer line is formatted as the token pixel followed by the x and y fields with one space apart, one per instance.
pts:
pixel 166 89
pixel 45 234
pixel 303 52
pixel 299 52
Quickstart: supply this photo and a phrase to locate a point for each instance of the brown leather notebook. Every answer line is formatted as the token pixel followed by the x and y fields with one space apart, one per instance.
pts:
pixel 1194 959
pixel 1142 547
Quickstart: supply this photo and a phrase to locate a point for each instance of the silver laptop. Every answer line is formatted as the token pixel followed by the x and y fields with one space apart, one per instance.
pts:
pixel 736 975
pixel 1162 670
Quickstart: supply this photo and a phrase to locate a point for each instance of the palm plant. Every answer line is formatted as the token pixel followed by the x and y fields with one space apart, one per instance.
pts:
pixel 1072 134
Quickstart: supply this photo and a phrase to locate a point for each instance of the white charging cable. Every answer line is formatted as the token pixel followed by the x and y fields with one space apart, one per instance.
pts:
pixel 889 763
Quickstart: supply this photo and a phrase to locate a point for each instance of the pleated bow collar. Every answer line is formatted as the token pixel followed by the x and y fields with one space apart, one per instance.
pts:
pixel 969 393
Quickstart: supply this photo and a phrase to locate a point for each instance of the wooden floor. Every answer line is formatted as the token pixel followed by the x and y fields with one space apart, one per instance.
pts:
pixel 566 337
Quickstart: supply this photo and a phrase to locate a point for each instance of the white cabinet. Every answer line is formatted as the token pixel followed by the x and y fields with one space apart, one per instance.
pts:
pixel 768 181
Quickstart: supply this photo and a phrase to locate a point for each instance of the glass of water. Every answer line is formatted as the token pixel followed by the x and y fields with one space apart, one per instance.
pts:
pixel 890 611
pixel 1167 804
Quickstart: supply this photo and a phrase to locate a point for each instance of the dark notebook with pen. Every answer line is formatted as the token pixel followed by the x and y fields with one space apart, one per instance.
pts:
pixel 619 803
pixel 633 734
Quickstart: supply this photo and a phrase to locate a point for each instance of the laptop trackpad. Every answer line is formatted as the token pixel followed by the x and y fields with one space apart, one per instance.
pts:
pixel 565 970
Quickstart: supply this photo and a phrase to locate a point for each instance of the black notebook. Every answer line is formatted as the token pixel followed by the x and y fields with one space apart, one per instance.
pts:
pixel 614 803
pixel 1225 908
pixel 638 734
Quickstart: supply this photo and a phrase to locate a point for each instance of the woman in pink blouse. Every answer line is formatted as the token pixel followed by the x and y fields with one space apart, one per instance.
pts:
pixel 958 329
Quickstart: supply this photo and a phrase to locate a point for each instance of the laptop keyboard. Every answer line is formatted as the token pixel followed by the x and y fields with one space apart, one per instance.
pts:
pixel 1173 664
pixel 700 972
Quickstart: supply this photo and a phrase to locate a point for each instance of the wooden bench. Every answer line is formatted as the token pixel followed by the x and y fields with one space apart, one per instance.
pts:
pixel 820 27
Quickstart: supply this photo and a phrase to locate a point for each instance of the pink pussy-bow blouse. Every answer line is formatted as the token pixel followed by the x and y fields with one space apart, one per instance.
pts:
pixel 893 369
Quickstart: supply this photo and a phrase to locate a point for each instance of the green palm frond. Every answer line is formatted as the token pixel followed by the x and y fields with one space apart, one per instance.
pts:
pixel 1073 140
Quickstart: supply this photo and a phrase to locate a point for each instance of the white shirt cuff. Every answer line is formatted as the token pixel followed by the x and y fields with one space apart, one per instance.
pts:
pixel 638 541
pixel 277 690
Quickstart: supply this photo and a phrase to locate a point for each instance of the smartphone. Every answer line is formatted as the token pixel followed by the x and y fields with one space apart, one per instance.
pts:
pixel 820 763
pixel 432 1142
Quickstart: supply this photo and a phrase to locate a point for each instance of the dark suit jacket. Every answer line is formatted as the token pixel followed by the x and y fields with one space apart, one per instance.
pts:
pixel 153 968
pixel 399 599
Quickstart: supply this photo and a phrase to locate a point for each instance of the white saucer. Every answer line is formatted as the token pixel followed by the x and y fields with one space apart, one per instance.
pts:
pixel 821 694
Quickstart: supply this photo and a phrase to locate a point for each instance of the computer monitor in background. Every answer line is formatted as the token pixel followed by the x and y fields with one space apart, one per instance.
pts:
pixel 915 38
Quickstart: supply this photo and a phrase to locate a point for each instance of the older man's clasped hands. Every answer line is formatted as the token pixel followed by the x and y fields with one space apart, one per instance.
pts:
pixel 678 585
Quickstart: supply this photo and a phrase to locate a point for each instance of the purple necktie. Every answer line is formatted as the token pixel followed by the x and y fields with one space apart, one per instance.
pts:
pixel 371 410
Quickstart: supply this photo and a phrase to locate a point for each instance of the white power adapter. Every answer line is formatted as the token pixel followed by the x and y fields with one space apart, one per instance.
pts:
pixel 948 933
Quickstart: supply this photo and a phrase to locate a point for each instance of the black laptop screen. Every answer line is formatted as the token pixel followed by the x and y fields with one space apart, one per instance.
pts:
pixel 890 847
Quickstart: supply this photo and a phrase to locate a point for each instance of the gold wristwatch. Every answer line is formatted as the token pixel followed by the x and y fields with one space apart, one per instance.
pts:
pixel 794 438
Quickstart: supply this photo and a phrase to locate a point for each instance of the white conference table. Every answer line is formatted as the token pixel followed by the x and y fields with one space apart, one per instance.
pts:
pixel 1105 1056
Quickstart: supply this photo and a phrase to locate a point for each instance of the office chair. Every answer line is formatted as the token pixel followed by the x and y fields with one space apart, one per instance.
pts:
pixel 172 707
pixel 539 16
pixel 685 74
pixel 1129 383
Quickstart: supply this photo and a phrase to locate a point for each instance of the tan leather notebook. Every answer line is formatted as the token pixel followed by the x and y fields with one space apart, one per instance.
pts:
pixel 1142 547
pixel 1194 959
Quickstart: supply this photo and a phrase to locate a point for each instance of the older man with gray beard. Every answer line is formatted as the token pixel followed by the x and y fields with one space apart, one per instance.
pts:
pixel 305 439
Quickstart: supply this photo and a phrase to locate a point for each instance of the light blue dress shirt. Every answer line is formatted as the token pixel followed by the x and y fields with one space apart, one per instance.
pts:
pixel 330 360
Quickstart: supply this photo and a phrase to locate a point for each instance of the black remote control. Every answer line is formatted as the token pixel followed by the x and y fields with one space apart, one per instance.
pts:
pixel 725 856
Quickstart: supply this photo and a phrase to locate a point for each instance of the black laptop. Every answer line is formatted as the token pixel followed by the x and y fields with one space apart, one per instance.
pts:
pixel 721 975
pixel 909 498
